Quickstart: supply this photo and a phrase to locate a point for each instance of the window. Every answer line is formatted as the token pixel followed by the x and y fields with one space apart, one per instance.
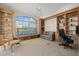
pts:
pixel 26 25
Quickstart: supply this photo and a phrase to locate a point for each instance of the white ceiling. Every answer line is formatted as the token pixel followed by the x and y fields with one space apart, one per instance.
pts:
pixel 38 9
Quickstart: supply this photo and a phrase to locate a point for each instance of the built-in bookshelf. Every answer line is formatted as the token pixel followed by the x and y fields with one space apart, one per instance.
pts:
pixel 7 27
pixel 41 26
pixel 72 22
pixel 61 22
pixel 6 24
pixel 67 20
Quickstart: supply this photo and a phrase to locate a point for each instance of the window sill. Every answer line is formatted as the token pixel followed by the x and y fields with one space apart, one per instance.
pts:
pixel 25 35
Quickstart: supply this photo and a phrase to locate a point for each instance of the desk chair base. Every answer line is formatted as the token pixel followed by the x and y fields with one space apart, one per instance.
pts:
pixel 66 46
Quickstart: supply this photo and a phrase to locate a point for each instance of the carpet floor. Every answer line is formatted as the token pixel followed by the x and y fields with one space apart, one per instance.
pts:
pixel 38 47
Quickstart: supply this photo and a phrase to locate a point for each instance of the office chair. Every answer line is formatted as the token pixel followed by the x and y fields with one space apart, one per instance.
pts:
pixel 66 40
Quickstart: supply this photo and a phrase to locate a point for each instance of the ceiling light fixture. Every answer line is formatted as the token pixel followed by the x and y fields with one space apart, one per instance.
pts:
pixel 39 9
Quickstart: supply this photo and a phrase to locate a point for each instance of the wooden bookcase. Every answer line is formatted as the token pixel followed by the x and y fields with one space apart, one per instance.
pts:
pixel 6 25
pixel 72 22
pixel 61 22
pixel 41 26
pixel 69 21
pixel 64 21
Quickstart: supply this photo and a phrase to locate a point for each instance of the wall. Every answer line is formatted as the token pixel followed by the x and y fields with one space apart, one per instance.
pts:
pixel 67 7
pixel 57 8
pixel 51 25
pixel 18 13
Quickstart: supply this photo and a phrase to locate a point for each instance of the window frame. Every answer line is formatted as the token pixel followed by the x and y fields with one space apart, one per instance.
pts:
pixel 27 27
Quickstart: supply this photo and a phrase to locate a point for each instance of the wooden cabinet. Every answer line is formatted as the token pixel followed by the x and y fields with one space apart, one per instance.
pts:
pixel 57 37
pixel 27 37
pixel 6 24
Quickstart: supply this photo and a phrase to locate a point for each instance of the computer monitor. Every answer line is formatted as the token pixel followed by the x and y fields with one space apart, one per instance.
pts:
pixel 77 30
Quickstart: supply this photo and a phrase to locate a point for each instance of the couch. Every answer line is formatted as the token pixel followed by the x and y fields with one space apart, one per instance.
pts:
pixel 48 35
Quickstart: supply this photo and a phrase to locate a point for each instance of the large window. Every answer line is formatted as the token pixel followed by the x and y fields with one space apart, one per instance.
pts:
pixel 26 25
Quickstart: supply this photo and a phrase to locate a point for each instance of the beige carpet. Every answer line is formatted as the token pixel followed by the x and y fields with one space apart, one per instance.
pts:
pixel 38 47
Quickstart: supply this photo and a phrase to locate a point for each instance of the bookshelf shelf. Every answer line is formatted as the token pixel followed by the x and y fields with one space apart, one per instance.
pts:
pixel 6 24
pixel 69 21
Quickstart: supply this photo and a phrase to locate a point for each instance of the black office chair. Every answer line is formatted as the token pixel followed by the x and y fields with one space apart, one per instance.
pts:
pixel 66 40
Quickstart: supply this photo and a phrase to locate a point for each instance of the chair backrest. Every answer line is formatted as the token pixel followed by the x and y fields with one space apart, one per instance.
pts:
pixel 61 33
